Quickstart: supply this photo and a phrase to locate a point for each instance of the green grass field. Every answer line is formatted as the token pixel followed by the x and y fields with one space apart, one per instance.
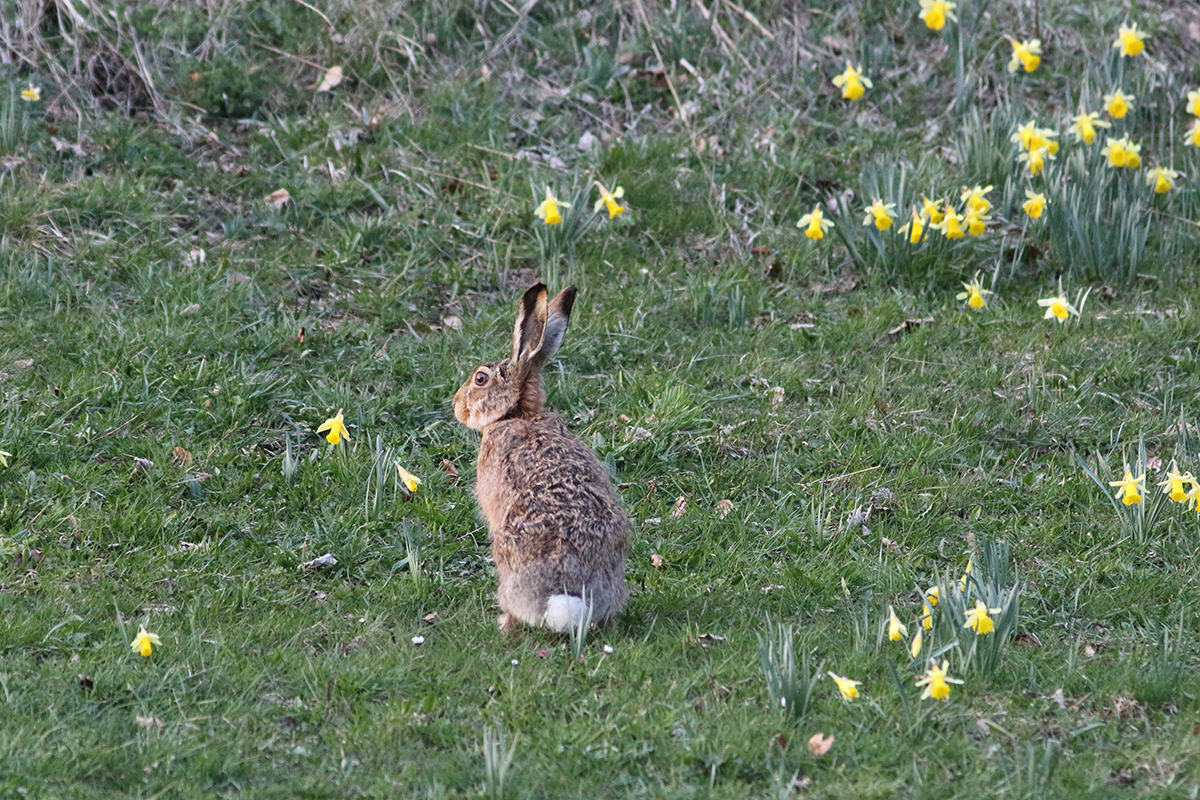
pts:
pixel 804 432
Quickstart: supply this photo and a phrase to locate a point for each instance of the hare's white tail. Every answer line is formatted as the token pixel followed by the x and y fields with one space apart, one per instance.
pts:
pixel 564 612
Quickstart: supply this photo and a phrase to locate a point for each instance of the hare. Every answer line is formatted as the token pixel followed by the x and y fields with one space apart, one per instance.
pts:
pixel 559 535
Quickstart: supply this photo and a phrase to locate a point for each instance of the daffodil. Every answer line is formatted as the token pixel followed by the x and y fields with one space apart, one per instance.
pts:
pixel 914 228
pixel 609 200
pixel 1173 485
pixel 933 595
pixel 1193 495
pixel 951 224
pixel 4 457
pixel 880 214
pixel 976 198
pixel 926 616
pixel 336 426
pixel 979 618
pixel 976 222
pixel 814 223
pixel 974 295
pixel 1122 153
pixel 1127 488
pixel 933 209
pixel 1083 126
pixel 1193 103
pixel 936 681
pixel 934 13
pixel 914 647
pixel 31 93
pixel 1130 40
pixel 548 210
pixel 1162 179
pixel 1030 137
pixel 1035 160
pixel 1027 54
pixel 852 82
pixel 896 628
pixel 847 687
pixel 1057 308
pixel 410 481
pixel 1035 204
pixel 144 642
pixel 1118 104
pixel 1193 135
pixel 966 576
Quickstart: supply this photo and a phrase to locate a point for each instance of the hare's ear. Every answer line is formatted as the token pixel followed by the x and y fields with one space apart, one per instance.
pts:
pixel 531 321
pixel 554 330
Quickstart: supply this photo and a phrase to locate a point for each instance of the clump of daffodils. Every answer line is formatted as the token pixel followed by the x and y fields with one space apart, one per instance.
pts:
pixel 1026 54
pixel 814 223
pixel 852 82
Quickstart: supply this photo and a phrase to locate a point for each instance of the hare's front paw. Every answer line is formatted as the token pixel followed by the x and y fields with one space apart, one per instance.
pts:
pixel 507 623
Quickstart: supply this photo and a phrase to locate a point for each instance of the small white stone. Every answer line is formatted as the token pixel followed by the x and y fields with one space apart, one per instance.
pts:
pixel 608 648
pixel 418 639
pixel 515 662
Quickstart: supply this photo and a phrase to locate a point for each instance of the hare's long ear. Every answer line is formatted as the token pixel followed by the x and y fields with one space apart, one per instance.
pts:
pixel 531 321
pixel 558 317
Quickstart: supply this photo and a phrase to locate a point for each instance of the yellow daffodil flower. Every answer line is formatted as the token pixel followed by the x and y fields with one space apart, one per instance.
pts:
pixel 1035 160
pixel 144 642
pixel 1122 153
pixel 1057 308
pixel 31 93
pixel 934 13
pixel 609 200
pixel 914 647
pixel 979 619
pixel 1024 135
pixel 976 198
pixel 933 595
pixel 847 687
pixel 1130 40
pixel 1083 127
pixel 410 481
pixel 336 426
pixel 1027 54
pixel 974 295
pixel 914 228
pixel 816 223
pixel 1127 488
pixel 976 222
pixel 926 616
pixel 548 210
pixel 880 214
pixel 852 82
pixel 1193 495
pixel 1173 485
pixel 1193 103
pixel 933 209
pixel 4 457
pixel 896 628
pixel 1035 204
pixel 1118 104
pixel 936 681
pixel 1030 137
pixel 951 224
pixel 962 582
pixel 1162 179
pixel 1193 135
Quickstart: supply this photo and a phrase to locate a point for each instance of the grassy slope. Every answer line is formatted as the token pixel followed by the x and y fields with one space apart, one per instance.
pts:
pixel 274 681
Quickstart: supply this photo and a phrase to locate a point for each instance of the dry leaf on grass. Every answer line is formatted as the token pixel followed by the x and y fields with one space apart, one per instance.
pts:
pixel 277 198
pixel 680 507
pixel 326 560
pixel 722 508
pixel 182 456
pixel 333 76
pixel 819 744
pixel 656 560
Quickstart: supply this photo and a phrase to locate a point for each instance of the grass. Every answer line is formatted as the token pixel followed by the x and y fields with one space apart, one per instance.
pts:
pixel 161 410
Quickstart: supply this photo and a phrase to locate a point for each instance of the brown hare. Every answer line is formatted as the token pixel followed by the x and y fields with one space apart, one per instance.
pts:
pixel 558 531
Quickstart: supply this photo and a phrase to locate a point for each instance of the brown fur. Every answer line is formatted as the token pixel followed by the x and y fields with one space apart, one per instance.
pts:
pixel 555 521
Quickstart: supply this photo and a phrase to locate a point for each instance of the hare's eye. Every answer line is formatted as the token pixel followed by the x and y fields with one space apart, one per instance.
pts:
pixel 481 378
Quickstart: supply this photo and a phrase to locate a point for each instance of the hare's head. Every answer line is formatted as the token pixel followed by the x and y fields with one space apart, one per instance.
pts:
pixel 512 387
